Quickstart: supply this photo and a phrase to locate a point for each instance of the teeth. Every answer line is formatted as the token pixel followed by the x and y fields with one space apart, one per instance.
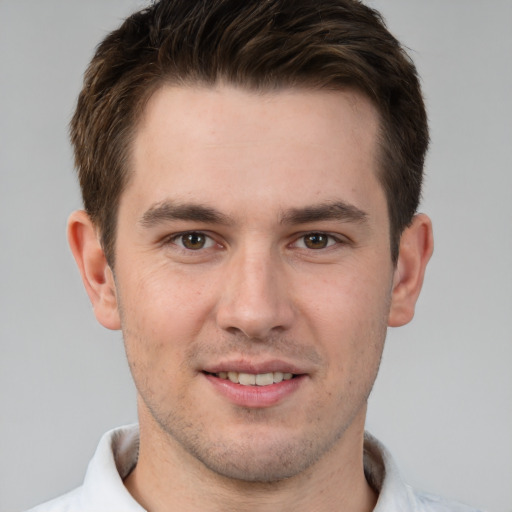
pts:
pixel 278 377
pixel 263 379
pixel 247 379
pixel 250 379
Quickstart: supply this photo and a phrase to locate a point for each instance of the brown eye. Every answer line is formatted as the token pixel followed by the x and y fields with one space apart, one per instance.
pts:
pixel 193 241
pixel 316 240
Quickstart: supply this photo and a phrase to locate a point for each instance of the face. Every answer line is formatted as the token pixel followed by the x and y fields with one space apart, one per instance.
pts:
pixel 253 274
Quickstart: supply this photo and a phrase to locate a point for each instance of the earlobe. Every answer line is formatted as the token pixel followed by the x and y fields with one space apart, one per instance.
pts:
pixel 96 274
pixel 416 247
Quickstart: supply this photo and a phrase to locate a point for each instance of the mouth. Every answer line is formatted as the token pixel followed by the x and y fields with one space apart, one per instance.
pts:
pixel 254 379
pixel 256 384
pixel 251 385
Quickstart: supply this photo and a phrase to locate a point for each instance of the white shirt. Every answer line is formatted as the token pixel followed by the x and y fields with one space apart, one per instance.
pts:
pixel 103 489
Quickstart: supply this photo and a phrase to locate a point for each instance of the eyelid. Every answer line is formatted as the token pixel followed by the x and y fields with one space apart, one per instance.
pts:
pixel 172 239
pixel 334 239
pixel 337 238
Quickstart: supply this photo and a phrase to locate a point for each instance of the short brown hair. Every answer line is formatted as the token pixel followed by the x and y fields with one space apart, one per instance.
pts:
pixel 256 44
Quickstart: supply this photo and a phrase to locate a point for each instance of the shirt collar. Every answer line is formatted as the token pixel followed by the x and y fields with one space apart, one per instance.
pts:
pixel 118 451
pixel 115 457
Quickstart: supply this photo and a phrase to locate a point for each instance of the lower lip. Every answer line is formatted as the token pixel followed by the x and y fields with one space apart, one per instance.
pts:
pixel 255 396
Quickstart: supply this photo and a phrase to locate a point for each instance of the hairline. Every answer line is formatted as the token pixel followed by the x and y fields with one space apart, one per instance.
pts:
pixel 160 82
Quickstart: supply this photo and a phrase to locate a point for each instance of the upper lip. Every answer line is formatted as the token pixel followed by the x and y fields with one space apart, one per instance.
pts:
pixel 253 367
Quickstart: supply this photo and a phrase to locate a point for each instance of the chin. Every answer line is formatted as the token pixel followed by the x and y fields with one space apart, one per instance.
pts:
pixel 272 467
pixel 260 459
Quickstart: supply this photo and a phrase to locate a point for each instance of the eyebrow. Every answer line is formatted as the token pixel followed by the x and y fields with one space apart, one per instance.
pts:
pixel 166 211
pixel 337 210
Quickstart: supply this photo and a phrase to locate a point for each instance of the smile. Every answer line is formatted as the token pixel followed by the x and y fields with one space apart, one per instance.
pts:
pixel 257 388
pixel 250 379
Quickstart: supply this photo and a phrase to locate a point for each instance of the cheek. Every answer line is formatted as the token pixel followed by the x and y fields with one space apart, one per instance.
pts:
pixel 165 294
pixel 349 296
pixel 347 311
pixel 161 312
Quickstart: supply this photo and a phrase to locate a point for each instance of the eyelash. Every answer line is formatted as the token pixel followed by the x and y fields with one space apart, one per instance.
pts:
pixel 330 240
pixel 174 239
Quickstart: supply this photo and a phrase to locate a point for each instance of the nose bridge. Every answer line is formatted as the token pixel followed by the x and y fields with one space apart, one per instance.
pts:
pixel 255 299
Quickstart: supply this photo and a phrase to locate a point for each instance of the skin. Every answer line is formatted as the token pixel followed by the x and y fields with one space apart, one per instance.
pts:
pixel 295 270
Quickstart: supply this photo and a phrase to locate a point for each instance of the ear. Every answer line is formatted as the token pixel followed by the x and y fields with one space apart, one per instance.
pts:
pixel 416 247
pixel 96 274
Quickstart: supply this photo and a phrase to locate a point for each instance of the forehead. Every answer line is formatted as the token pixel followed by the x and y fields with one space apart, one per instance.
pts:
pixel 213 111
pixel 244 145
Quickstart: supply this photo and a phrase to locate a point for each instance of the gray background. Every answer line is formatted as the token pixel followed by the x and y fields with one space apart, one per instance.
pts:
pixel 443 400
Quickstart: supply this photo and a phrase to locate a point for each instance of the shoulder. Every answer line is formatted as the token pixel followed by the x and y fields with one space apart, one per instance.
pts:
pixel 395 494
pixel 103 487
pixel 66 503
pixel 431 503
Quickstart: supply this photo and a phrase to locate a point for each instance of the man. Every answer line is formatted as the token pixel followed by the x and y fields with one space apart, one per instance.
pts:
pixel 250 173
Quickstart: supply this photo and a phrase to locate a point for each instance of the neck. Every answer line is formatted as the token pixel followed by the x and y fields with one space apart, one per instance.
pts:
pixel 166 473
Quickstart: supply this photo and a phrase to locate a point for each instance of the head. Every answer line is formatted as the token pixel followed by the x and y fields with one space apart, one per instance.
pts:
pixel 258 46
pixel 250 173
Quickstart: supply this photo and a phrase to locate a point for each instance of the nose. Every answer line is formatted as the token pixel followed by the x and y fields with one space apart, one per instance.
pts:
pixel 256 296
